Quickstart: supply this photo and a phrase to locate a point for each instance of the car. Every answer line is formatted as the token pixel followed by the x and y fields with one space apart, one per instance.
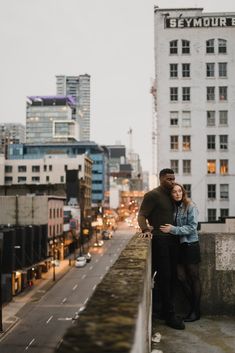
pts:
pixel 80 261
pixel 98 243
pixel 88 257
pixel 107 234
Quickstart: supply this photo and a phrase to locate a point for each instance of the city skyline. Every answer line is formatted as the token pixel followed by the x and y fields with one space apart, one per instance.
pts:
pixel 111 41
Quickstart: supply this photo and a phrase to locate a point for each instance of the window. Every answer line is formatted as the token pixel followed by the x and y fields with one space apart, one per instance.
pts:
pixel 173 93
pixel 186 166
pixel 185 70
pixel 174 47
pixel 175 165
pixel 174 118
pixel 174 145
pixel 210 118
pixel 35 168
pixel 223 166
pixel 224 212
pixel 45 168
pixel 8 168
pixel 223 142
pixel 36 179
pixel 186 143
pixel 47 178
pixel 22 168
pixel 8 180
pixel 186 118
pixel 186 93
pixel 210 93
pixel 185 47
pixel 187 188
pixel 222 46
pixel 211 166
pixel 22 179
pixel 62 179
pixel 211 142
pixel 222 69
pixel 224 191
pixel 211 214
pixel 223 93
pixel 211 191
pixel 210 70
pixel 50 168
pixel 173 70
pixel 223 117
pixel 210 46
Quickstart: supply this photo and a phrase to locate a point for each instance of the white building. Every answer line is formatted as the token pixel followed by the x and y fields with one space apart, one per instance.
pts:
pixel 48 170
pixel 79 88
pixel 195 104
pixel 50 119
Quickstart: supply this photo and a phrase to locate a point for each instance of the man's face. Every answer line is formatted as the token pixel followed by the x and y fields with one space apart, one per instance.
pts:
pixel 167 181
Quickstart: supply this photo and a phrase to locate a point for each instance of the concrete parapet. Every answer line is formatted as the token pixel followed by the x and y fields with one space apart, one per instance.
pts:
pixel 217 272
pixel 117 318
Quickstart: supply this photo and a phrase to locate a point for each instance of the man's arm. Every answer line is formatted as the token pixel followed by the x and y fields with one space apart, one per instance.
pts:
pixel 145 209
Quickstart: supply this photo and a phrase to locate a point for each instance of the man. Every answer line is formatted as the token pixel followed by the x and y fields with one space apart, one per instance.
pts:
pixel 155 210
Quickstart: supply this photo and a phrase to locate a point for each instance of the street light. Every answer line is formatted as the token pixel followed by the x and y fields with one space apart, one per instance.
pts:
pixel 81 203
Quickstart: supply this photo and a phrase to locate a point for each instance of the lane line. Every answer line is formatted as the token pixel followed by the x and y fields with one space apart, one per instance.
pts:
pixel 84 276
pixel 75 287
pixel 64 300
pixel 30 343
pixel 49 319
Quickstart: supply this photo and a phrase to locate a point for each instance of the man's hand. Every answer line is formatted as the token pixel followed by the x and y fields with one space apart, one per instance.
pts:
pixel 145 235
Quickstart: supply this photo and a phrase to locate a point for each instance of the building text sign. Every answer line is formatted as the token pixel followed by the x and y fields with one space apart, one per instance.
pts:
pixel 191 22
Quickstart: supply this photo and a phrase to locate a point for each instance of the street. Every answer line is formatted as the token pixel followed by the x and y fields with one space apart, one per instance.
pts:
pixel 44 321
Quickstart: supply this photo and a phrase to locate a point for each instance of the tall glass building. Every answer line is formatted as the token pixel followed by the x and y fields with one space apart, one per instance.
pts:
pixel 79 88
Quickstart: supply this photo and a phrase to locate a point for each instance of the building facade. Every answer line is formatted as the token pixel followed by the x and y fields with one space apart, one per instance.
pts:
pixel 195 104
pixel 93 151
pixel 11 133
pixel 51 119
pixel 79 88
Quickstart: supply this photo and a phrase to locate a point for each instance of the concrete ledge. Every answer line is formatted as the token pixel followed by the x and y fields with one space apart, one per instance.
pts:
pixel 120 305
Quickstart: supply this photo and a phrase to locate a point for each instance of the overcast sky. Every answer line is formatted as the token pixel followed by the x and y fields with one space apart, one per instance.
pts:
pixel 112 40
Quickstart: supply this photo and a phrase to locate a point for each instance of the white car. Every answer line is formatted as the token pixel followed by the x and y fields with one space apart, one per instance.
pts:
pixel 80 261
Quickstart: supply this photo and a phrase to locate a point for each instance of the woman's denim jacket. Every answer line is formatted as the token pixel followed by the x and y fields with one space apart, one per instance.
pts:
pixel 186 221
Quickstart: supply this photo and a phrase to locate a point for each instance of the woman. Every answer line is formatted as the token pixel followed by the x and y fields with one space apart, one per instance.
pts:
pixel 185 225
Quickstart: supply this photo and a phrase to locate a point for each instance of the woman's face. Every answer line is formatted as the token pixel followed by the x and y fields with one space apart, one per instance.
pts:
pixel 177 193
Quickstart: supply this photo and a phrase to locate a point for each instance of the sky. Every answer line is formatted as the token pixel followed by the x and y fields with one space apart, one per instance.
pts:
pixel 111 40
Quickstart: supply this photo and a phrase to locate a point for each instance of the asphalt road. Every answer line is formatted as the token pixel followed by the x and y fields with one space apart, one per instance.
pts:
pixel 44 321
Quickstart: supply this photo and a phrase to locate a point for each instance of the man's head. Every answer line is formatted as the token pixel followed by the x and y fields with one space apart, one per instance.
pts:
pixel 167 178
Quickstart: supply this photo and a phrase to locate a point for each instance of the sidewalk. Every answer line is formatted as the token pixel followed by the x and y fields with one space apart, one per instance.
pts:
pixel 41 286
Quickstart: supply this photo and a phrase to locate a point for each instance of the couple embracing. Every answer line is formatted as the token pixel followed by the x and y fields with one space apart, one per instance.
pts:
pixel 173 218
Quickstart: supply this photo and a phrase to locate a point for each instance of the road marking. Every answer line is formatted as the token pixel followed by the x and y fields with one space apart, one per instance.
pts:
pixel 31 342
pixel 107 267
pixel 96 260
pixel 65 318
pixel 49 319
pixel 84 276
pixel 86 300
pixel 91 267
pixel 94 287
pixel 64 300
pixel 75 287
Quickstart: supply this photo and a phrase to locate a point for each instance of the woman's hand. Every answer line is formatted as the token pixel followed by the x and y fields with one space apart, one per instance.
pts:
pixel 166 228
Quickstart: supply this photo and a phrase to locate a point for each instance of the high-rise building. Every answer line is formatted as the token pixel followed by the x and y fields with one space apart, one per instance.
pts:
pixel 79 88
pixel 195 104
pixel 11 133
pixel 51 119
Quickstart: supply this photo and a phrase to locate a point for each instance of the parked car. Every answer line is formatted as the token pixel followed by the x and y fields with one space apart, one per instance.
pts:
pixel 107 234
pixel 88 257
pixel 80 261
pixel 99 243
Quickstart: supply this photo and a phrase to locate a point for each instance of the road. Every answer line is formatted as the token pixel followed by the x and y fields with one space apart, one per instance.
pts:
pixel 44 321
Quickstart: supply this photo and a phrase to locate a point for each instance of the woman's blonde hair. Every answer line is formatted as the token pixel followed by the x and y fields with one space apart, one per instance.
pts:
pixel 185 199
